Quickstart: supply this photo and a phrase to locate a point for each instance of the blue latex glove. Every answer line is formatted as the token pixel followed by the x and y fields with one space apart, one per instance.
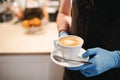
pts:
pixel 102 60
pixel 62 34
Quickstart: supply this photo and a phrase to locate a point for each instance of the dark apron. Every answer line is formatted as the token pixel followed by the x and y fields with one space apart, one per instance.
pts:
pixel 98 23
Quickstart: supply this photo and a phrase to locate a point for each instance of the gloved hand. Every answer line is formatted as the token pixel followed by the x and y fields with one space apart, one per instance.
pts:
pixel 102 61
pixel 62 34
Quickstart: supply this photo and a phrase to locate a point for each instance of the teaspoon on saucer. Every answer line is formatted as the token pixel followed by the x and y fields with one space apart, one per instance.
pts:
pixel 61 59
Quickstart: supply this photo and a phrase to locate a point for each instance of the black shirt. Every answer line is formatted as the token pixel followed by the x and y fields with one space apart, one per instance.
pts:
pixel 98 23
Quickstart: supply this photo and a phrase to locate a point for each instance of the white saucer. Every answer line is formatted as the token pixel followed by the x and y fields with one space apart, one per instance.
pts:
pixel 66 64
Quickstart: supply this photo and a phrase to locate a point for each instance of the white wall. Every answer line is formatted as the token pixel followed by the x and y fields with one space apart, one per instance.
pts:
pixel 29 67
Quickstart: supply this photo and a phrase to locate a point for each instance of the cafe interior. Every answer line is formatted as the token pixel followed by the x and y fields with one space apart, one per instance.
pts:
pixel 26 41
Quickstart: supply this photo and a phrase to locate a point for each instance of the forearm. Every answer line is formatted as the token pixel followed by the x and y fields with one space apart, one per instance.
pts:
pixel 62 18
pixel 62 23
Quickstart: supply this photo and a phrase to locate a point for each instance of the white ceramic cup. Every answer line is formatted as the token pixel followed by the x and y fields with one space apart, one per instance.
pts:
pixel 69 46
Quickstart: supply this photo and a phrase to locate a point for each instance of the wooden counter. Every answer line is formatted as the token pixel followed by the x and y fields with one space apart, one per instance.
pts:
pixel 14 40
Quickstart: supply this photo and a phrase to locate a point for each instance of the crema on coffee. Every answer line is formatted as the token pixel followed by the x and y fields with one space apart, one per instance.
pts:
pixel 70 41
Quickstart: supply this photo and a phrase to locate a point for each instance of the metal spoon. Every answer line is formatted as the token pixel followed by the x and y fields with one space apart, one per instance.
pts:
pixel 61 59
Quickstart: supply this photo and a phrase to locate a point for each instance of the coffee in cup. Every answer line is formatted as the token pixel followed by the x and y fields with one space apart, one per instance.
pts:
pixel 70 41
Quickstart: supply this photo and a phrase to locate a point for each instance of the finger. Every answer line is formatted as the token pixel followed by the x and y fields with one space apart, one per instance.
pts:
pixel 62 34
pixel 85 73
pixel 73 68
pixel 88 73
pixel 83 67
pixel 89 52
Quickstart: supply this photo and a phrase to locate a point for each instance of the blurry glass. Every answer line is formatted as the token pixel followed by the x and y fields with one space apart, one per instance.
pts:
pixel 32 16
pixel 32 9
pixel 17 11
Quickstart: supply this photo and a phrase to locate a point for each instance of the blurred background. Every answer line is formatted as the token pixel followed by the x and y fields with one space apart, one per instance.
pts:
pixel 27 32
pixel 10 7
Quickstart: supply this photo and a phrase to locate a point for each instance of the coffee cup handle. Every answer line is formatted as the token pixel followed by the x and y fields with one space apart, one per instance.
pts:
pixel 56 46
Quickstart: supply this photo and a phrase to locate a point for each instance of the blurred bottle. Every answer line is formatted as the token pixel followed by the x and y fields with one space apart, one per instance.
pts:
pixel 5 11
pixel 17 10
